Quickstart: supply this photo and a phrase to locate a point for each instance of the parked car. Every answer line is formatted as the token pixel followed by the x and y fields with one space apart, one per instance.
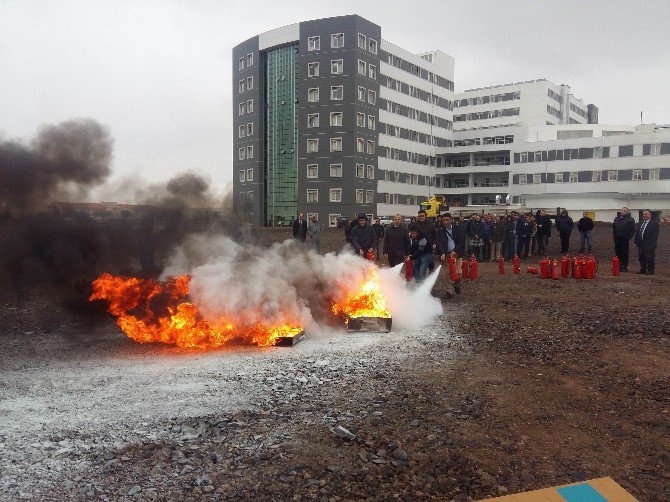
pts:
pixel 385 220
pixel 343 222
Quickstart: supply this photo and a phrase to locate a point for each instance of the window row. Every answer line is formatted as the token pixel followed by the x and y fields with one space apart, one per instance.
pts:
pixel 394 198
pixel 488 140
pixel 554 95
pixel 245 107
pixel 413 113
pixel 337 94
pixel 410 179
pixel 245 130
pixel 482 100
pixel 248 61
pixel 597 152
pixel 362 146
pixel 578 111
pixel 489 114
pixel 246 175
pixel 553 111
pixel 246 196
pixel 335 171
pixel 337 42
pixel 589 176
pixel 420 72
pixel 336 120
pixel 335 195
pixel 417 158
pixel 246 152
pixel 249 81
pixel 415 92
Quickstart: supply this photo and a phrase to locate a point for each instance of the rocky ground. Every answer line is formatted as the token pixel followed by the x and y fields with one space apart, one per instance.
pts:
pixel 521 384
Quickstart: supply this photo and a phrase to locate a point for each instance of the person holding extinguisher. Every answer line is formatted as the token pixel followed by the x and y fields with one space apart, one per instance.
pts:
pixel 363 237
pixel 450 242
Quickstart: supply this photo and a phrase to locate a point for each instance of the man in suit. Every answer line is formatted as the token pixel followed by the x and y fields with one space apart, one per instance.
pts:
pixel 397 243
pixel 450 241
pixel 525 233
pixel 646 238
pixel 300 228
pixel 623 230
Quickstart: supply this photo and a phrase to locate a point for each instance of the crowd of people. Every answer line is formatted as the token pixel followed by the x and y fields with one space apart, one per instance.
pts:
pixel 486 237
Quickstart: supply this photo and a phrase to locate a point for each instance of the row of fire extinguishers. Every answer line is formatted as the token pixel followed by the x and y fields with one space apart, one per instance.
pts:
pixel 579 267
pixel 469 269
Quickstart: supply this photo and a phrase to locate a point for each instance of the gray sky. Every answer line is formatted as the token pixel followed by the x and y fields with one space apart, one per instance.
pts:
pixel 158 73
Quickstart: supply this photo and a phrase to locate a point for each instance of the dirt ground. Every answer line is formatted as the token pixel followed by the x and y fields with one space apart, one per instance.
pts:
pixel 522 383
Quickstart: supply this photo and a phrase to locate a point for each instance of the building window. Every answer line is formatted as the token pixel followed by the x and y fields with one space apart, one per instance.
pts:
pixel 537 179
pixel 336 92
pixel 332 219
pixel 241 108
pixel 372 72
pixel 250 174
pixel 361 41
pixel 336 66
pixel 337 40
pixel 250 106
pixel 313 43
pixel 538 157
pixel 313 120
pixel 654 174
pixel 312 69
pixel 250 59
pixel 395 198
pixel 362 68
pixel 595 176
pixel 369 196
pixel 336 170
pixel 250 152
pixel 360 145
pixel 312 170
pixel 574 177
pixel 359 196
pixel 372 122
pixel 373 46
pixel 250 82
pixel 312 195
pixel 335 195
pixel 312 145
pixel 242 175
pixel 371 147
pixel 598 152
pixel 360 171
pixel 241 154
pixel 637 174
pixel 336 119
pixel 558 178
pixel 250 129
pixel 240 86
pixel 655 149
pixel 523 157
pixel 372 97
pixel 360 120
pixel 335 144
pixel 242 131
pixel 313 95
pixel 240 64
pixel 523 178
pixel 387 198
pixel 361 93
pixel 371 172
pixel 613 175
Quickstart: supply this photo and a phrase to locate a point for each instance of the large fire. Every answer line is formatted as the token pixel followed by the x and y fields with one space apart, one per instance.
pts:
pixel 149 311
pixel 368 301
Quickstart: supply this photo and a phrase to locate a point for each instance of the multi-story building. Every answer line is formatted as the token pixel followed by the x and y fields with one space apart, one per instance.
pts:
pixel 330 119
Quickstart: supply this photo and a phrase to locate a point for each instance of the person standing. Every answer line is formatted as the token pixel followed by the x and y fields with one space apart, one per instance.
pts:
pixel 427 229
pixel 314 229
pixel 543 231
pixel 420 248
pixel 474 230
pixel 396 245
pixel 623 230
pixel 525 232
pixel 486 237
pixel 585 226
pixel 497 235
pixel 646 239
pixel 450 242
pixel 362 236
pixel 510 237
pixel 564 225
pixel 300 228
pixel 378 228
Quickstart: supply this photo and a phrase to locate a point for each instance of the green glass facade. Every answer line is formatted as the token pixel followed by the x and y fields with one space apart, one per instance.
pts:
pixel 281 135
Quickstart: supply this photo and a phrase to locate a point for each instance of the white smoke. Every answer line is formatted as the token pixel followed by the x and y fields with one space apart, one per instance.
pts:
pixel 287 283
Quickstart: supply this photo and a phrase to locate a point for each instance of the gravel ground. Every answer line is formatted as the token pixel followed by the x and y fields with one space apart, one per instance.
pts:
pixel 521 384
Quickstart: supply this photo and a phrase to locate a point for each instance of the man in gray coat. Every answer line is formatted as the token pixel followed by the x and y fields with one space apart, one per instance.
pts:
pixel 314 229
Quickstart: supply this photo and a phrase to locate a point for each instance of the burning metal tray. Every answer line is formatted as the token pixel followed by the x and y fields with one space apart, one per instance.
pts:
pixel 290 340
pixel 369 324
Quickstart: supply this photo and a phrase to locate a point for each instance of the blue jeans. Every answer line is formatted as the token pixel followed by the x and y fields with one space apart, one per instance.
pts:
pixel 585 237
pixel 421 266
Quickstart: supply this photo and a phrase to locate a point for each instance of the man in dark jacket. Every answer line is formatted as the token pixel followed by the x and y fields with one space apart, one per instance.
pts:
pixel 623 230
pixel 362 236
pixel 300 228
pixel 450 241
pixel 564 225
pixel 497 236
pixel 419 250
pixel 474 229
pixel 378 229
pixel 427 228
pixel 397 243
pixel 525 233
pixel 543 231
pixel 585 225
pixel 646 239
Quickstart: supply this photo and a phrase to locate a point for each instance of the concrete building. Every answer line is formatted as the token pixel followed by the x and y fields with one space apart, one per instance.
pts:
pixel 330 119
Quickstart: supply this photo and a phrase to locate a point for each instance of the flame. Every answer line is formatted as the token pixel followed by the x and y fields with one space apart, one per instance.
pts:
pixel 149 311
pixel 368 301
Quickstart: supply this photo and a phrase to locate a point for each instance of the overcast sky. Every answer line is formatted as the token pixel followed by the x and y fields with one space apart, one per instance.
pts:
pixel 158 73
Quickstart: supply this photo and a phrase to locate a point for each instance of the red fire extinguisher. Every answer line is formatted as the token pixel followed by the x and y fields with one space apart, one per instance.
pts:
pixel 554 270
pixel 501 265
pixel 409 270
pixel 577 269
pixel 517 265
pixel 370 255
pixel 565 266
pixel 544 268
pixel 595 266
pixel 474 266
pixel 464 269
pixel 590 268
pixel 453 273
pixel 583 263
pixel 616 269
pixel 531 270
